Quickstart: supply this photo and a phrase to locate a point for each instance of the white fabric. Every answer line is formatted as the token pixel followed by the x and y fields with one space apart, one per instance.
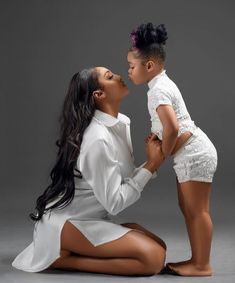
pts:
pixel 110 183
pixel 163 91
pixel 196 160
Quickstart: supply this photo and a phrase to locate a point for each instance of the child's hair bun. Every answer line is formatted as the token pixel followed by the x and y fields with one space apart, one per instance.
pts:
pixel 147 34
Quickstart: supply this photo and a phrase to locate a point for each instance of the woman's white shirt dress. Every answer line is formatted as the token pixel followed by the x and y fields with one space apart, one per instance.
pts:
pixel 110 183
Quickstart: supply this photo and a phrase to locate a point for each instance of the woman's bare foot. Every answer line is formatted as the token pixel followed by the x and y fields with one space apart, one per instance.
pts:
pixel 189 268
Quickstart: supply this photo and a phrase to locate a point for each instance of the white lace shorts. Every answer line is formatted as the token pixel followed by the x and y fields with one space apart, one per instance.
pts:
pixel 196 160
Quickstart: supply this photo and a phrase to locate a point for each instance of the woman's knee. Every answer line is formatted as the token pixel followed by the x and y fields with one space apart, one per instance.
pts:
pixel 148 233
pixel 152 256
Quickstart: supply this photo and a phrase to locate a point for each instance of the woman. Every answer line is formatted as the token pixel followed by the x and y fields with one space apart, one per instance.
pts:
pixel 94 176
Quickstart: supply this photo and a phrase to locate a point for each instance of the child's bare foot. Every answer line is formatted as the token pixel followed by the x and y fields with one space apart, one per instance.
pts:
pixel 174 264
pixel 190 269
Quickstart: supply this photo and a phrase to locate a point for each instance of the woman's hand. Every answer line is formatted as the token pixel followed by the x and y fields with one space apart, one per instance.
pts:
pixel 154 153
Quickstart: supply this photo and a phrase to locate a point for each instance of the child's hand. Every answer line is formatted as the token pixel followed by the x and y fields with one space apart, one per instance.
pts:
pixel 151 136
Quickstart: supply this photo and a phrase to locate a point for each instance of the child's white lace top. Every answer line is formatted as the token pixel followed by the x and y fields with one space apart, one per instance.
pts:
pixel 163 91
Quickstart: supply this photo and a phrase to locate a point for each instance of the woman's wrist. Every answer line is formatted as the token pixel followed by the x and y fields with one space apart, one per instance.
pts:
pixel 151 166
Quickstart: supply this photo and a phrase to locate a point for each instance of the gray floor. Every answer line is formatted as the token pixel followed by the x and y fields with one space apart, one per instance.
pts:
pixel 16 234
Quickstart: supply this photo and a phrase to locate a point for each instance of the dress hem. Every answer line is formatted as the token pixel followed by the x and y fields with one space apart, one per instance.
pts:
pixel 58 256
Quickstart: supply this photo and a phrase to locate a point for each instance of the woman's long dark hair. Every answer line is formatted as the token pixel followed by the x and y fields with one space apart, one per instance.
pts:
pixel 77 113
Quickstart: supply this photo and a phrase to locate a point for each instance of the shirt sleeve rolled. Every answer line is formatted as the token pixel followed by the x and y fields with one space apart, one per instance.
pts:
pixel 101 171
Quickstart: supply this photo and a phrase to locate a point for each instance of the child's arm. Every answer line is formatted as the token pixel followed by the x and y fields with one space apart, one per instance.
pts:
pixel 170 128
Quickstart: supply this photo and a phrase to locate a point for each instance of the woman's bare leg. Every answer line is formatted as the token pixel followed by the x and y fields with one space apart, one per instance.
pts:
pixel 147 232
pixel 132 254
pixel 194 200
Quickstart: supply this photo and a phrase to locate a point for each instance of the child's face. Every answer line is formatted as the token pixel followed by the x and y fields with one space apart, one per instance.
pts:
pixel 137 71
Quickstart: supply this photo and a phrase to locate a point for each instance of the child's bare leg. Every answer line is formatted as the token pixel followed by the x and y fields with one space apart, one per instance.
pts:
pixel 194 202
pixel 133 254
pixel 181 205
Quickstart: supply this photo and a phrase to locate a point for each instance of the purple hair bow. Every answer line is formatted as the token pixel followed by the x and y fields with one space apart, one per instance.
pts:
pixel 133 39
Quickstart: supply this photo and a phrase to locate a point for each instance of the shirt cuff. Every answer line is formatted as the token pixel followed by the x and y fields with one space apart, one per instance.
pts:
pixel 142 177
pixel 154 174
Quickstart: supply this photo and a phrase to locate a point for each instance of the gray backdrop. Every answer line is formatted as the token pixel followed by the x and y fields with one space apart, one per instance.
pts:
pixel 43 43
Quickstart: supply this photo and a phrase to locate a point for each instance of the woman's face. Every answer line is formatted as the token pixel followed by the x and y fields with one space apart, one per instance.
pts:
pixel 137 71
pixel 112 84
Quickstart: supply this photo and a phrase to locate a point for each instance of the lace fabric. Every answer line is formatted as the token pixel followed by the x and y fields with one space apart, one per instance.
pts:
pixel 164 91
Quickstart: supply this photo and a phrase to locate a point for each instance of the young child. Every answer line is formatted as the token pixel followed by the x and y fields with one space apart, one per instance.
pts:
pixel 194 155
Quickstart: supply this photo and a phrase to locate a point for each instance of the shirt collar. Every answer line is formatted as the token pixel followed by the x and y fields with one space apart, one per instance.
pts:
pixel 152 82
pixel 110 121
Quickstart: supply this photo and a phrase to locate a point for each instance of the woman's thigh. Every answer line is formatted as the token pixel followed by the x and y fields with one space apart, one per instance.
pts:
pixel 146 232
pixel 132 244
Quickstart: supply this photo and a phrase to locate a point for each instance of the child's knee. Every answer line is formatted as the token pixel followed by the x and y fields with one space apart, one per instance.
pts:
pixel 195 212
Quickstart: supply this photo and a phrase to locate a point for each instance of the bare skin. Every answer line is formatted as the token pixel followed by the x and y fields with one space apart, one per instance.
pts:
pixel 147 232
pixel 139 252
pixel 135 253
pixel 194 198
pixel 108 100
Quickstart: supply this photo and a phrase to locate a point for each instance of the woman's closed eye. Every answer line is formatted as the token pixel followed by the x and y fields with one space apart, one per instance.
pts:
pixel 109 75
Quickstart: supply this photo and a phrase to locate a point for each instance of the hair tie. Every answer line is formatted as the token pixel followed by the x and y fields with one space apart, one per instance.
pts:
pixel 133 39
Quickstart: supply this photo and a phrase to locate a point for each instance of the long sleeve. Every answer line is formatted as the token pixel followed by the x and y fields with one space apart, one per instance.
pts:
pixel 154 174
pixel 102 172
